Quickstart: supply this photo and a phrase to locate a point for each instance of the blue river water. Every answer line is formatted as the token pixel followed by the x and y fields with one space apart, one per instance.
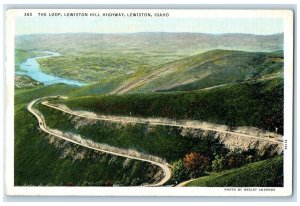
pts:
pixel 32 69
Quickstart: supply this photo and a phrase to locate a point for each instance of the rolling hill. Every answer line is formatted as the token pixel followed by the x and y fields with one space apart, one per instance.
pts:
pixel 215 67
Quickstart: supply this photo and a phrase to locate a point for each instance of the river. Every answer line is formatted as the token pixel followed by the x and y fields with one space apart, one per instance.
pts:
pixel 32 69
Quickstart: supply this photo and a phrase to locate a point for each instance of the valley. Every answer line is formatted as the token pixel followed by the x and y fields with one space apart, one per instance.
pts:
pixel 158 113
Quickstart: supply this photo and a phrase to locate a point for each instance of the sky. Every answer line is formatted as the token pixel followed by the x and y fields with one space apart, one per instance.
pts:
pixel 261 26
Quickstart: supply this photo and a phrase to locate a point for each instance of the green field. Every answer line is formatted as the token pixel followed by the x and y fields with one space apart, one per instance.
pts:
pixel 267 173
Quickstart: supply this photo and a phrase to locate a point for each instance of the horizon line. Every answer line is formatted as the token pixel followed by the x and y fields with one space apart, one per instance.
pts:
pixel 111 33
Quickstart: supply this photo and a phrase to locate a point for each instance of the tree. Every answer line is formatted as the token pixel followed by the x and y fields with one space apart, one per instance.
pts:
pixel 235 161
pixel 219 163
pixel 179 172
pixel 196 164
pixel 236 158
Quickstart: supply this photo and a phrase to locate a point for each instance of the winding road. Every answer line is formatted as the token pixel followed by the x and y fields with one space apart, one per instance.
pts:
pixel 164 166
pixel 42 124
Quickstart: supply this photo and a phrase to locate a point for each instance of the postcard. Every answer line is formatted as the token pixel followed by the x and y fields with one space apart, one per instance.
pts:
pixel 149 102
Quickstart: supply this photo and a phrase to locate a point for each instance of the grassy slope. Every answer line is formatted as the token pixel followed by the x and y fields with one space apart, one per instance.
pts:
pixel 103 87
pixel 37 162
pixel 163 141
pixel 257 104
pixel 214 68
pixel 266 173
pixel 26 95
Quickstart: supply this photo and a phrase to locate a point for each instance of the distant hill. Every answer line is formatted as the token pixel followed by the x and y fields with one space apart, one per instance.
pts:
pixel 185 43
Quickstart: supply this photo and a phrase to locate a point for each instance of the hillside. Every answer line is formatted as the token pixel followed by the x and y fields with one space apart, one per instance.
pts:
pixel 166 142
pixel 215 67
pixel 59 163
pixel 25 95
pixel 258 104
pixel 162 141
pixel 267 173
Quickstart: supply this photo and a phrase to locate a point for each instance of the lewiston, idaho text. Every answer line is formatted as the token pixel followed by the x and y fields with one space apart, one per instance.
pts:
pixel 112 14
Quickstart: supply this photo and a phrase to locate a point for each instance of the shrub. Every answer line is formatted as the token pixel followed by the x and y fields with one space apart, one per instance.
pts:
pixel 196 164
pixel 219 163
pixel 235 161
pixel 179 172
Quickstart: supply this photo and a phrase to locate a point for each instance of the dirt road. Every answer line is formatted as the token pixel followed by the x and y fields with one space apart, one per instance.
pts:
pixel 160 121
pixel 42 124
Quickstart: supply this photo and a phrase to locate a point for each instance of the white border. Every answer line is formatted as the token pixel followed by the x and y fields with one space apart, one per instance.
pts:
pixel 287 16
